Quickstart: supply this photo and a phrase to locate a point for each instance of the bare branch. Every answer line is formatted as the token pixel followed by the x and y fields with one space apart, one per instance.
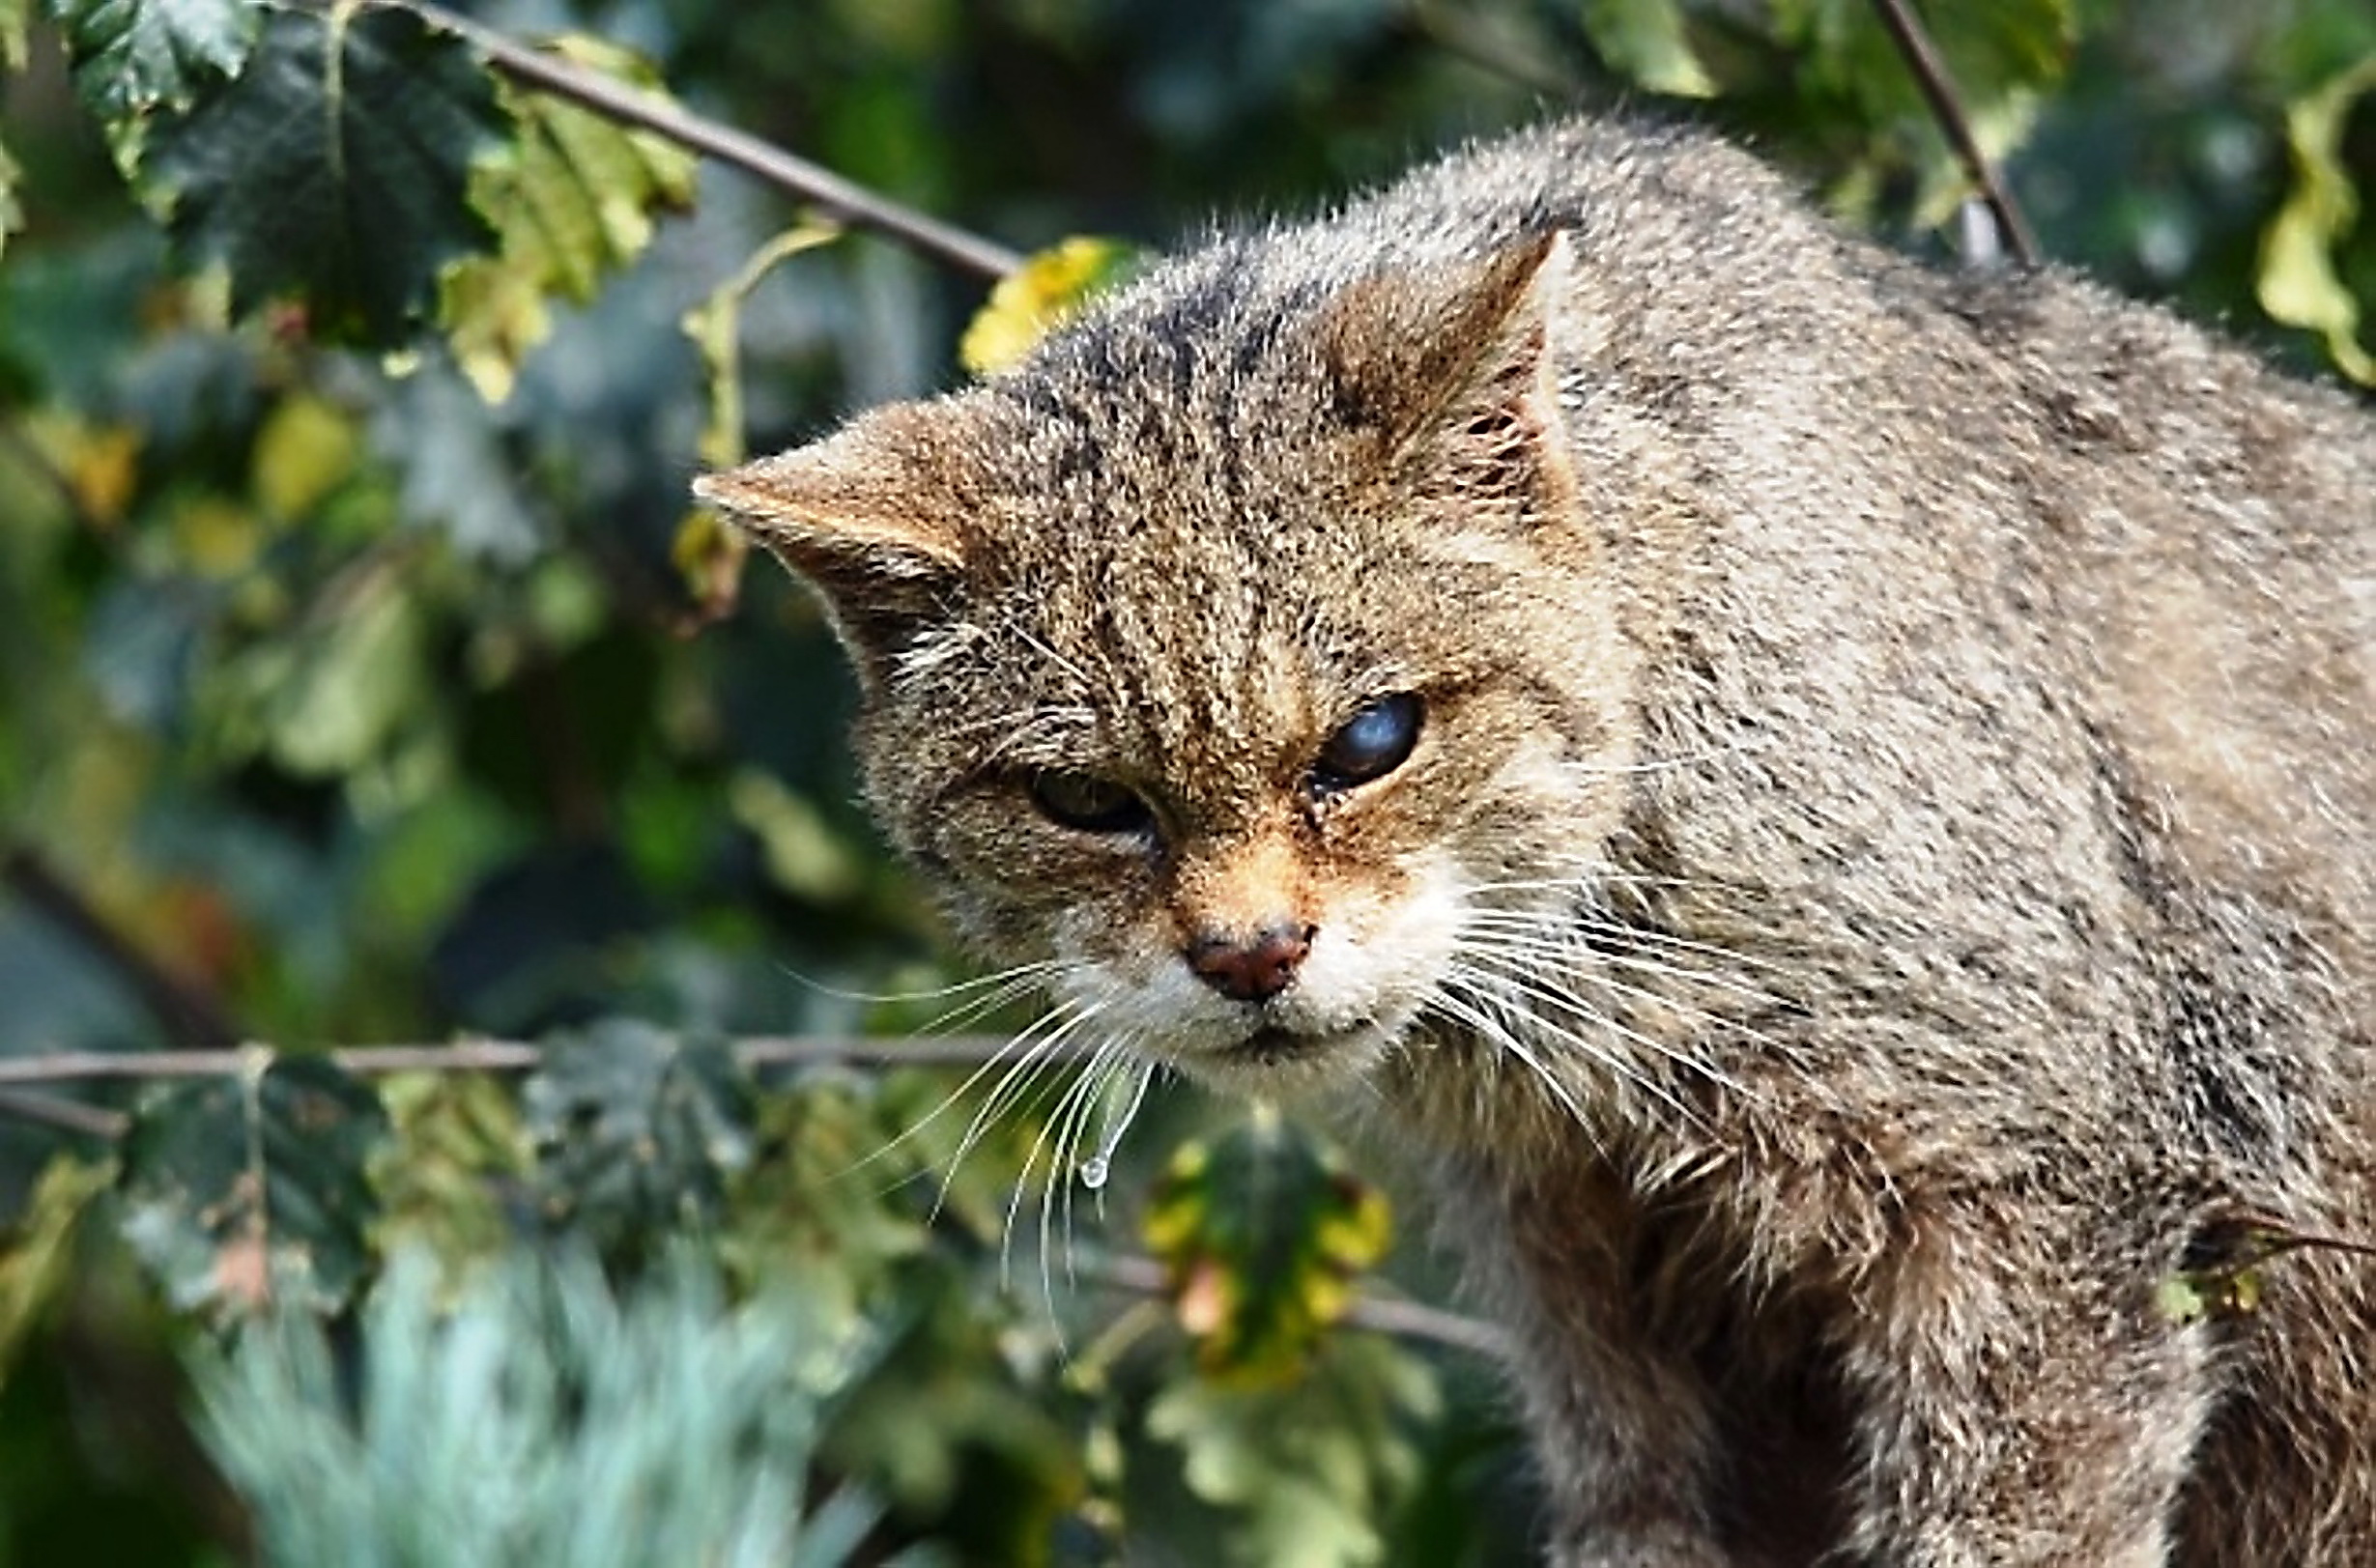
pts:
pixel 184 1011
pixel 755 1052
pixel 1938 90
pixel 66 1115
pixel 1379 1314
pixel 849 202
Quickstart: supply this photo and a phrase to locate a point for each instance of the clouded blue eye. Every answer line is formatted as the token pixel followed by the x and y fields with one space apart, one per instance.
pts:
pixel 1372 744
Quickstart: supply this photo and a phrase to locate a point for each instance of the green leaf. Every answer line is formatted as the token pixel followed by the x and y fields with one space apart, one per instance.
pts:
pixel 1307 1469
pixel 242 1192
pixel 37 1249
pixel 11 211
pixel 2298 282
pixel 1042 293
pixel 571 196
pixel 457 1148
pixel 636 1131
pixel 14 17
pixel 1262 1232
pixel 336 168
pixel 1649 42
pixel 342 694
pixel 131 56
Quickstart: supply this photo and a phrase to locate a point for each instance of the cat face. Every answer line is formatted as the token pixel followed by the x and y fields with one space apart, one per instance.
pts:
pixel 1257 695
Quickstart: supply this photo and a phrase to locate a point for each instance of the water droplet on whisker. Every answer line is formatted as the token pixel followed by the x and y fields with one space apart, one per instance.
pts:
pixel 1118 1104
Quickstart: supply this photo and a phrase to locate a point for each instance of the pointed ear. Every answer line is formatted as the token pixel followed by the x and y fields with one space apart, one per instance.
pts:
pixel 875 517
pixel 1453 369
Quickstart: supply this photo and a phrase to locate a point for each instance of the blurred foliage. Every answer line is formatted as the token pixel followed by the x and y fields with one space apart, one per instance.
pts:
pixel 366 681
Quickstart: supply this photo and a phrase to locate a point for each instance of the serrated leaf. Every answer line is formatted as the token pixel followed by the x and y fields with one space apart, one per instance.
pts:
pixel 129 57
pixel 2298 282
pixel 571 196
pixel 1261 1233
pixel 457 1146
pixel 636 1131
pixel 246 1191
pixel 336 168
pixel 1047 290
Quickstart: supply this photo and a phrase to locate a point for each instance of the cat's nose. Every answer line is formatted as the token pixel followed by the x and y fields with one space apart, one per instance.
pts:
pixel 1252 970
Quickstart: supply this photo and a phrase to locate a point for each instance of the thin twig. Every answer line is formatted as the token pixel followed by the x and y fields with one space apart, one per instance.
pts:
pixel 181 1008
pixel 1379 1314
pixel 1461 38
pixel 1938 89
pixel 755 1052
pixel 842 199
pixel 66 1115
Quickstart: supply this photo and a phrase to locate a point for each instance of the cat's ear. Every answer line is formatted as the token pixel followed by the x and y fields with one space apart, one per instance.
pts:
pixel 874 518
pixel 1455 365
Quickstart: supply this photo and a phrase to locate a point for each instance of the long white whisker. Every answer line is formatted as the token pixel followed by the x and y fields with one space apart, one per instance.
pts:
pixel 1511 982
pixel 1016 1081
pixel 1510 967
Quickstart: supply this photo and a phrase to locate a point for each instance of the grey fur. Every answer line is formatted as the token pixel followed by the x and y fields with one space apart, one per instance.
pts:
pixel 1884 888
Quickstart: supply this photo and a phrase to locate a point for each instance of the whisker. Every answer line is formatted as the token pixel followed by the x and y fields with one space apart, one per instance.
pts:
pixel 1016 1081
pixel 1625 1070
pixel 1509 965
pixel 1018 975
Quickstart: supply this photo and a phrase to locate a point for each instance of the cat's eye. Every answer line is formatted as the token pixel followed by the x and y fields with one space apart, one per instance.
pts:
pixel 1371 745
pixel 1089 804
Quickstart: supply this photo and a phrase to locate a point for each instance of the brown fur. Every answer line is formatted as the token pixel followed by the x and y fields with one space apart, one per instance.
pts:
pixel 1885 885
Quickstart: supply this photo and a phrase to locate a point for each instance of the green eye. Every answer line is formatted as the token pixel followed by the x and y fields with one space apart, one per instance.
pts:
pixel 1372 744
pixel 1089 804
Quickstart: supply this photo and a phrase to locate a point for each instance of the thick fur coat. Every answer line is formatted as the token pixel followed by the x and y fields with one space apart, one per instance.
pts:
pixel 1872 936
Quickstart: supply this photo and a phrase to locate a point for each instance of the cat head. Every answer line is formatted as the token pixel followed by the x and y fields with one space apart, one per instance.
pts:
pixel 1243 655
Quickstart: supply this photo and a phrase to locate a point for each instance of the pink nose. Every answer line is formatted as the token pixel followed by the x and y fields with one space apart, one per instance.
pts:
pixel 1252 970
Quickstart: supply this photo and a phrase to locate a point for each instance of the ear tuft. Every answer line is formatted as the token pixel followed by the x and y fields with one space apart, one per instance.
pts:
pixel 874 518
pixel 1454 373
pixel 1405 349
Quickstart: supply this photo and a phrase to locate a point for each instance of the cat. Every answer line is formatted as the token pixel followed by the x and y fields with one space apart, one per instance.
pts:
pixel 1831 806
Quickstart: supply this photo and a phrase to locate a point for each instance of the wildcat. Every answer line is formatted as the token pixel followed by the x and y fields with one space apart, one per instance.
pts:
pixel 1830 805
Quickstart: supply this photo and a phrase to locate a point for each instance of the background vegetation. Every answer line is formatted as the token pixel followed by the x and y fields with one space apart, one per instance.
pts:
pixel 443 1114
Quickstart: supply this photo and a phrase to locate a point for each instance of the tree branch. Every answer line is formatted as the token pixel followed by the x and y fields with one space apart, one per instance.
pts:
pixel 66 1115
pixel 1379 1314
pixel 182 1010
pixel 755 1052
pixel 1938 90
pixel 849 202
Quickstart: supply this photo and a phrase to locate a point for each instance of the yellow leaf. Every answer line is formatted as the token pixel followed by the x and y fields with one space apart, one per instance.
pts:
pixel 1042 293
pixel 571 195
pixel 2298 282
pixel 215 536
pixel 305 450
pixel 100 465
